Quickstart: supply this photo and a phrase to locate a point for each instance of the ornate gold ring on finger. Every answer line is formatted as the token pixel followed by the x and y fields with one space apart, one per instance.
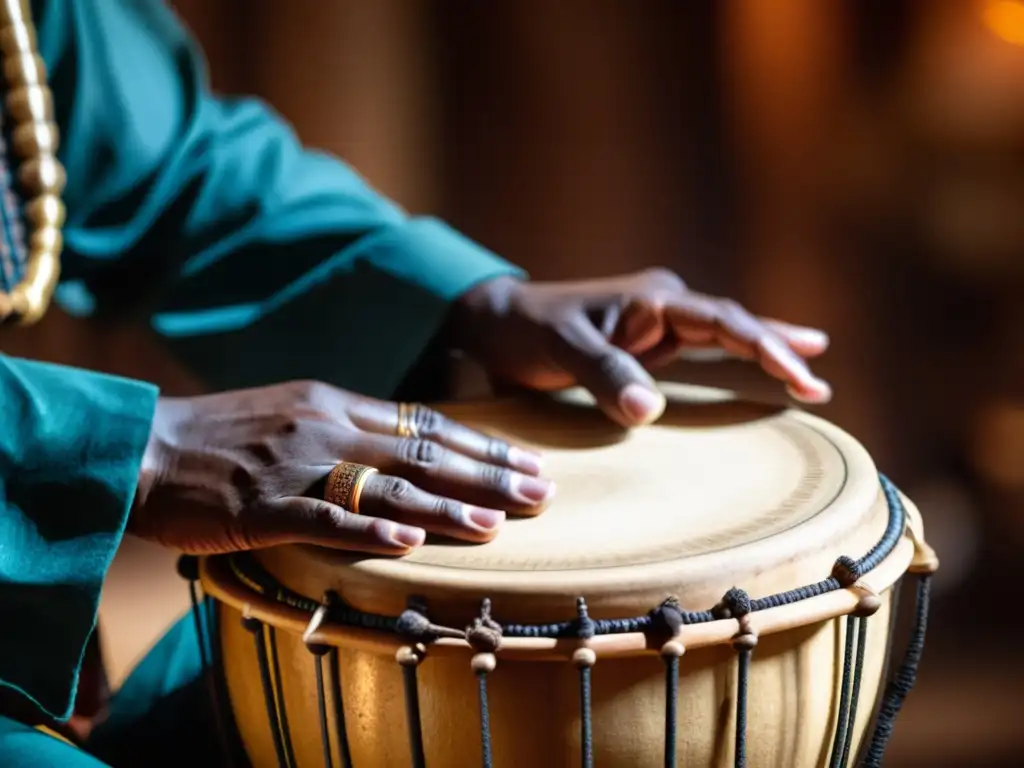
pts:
pixel 345 485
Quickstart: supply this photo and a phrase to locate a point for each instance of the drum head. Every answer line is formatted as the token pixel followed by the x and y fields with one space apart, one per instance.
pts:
pixel 719 493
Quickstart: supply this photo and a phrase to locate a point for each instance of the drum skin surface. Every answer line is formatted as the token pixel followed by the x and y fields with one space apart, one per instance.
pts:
pixel 717 494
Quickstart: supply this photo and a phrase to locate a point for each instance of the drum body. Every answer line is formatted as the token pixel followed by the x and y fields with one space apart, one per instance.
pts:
pixel 718 495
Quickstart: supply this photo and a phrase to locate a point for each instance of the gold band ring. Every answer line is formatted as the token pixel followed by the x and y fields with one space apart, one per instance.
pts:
pixel 345 485
pixel 406 422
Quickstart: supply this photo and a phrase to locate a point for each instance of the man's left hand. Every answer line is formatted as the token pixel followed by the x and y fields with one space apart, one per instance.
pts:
pixel 607 334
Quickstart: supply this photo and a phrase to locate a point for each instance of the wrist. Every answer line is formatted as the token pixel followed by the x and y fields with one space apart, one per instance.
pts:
pixel 154 458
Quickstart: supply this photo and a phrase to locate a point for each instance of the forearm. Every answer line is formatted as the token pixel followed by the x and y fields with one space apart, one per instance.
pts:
pixel 71 446
pixel 258 259
pixel 360 318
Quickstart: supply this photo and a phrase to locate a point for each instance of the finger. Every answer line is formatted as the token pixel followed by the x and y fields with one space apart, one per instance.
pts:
pixel 382 417
pixel 778 360
pixel 701 322
pixel 640 329
pixel 302 520
pixel 695 314
pixel 806 342
pixel 447 473
pixel 621 386
pixel 397 499
pixel 741 334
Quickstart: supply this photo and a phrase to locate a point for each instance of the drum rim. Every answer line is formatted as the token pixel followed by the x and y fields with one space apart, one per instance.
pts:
pixel 900 549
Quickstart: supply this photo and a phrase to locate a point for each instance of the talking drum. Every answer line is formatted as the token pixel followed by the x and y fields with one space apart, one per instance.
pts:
pixel 717 589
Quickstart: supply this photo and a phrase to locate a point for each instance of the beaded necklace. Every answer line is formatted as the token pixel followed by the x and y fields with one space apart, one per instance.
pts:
pixel 29 266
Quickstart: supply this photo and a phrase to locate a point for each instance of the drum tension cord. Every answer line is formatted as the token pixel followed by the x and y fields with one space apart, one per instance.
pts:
pixel 485 635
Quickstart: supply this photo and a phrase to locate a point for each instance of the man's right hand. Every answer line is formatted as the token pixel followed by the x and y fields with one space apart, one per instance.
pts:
pixel 246 469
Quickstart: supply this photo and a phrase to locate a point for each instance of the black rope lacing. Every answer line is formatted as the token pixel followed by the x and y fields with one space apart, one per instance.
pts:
pixel 843 725
pixel 858 674
pixel 485 635
pixel 584 658
pixel 736 604
pixel 903 681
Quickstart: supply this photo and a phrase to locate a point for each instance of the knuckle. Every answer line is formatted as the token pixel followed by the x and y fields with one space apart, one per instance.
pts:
pixel 448 508
pixel 309 390
pixel 496 450
pixel 495 478
pixel 264 451
pixel 614 366
pixel 381 530
pixel 396 490
pixel 736 319
pixel 316 397
pixel 663 277
pixel 426 421
pixel 727 312
pixel 328 516
pixel 286 425
pixel 419 452
pixel 730 308
pixel 295 421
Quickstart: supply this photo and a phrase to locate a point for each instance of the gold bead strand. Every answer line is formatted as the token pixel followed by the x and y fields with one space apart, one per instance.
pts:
pixel 35 139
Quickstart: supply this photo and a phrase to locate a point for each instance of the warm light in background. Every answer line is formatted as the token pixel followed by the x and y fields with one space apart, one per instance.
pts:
pixel 1006 19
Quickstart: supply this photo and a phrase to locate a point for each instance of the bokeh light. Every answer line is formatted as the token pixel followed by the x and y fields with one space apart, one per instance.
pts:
pixel 1006 19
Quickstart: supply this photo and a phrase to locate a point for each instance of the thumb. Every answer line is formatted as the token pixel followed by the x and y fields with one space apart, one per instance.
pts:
pixel 620 384
pixel 314 521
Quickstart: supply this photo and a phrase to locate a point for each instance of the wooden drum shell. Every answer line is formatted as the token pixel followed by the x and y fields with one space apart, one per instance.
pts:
pixel 535 705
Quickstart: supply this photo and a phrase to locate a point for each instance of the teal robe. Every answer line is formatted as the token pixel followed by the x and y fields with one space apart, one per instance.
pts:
pixel 255 259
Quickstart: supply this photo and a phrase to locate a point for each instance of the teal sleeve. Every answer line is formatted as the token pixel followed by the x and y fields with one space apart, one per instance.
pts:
pixel 71 445
pixel 22 746
pixel 256 259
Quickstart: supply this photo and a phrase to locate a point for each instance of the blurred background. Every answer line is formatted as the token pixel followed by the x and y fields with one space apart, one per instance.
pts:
pixel 856 165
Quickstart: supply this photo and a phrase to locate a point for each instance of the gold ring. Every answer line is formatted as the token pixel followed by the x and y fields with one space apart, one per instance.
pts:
pixel 406 423
pixel 345 485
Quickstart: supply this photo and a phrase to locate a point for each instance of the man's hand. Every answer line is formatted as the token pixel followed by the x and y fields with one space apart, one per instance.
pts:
pixel 246 469
pixel 607 334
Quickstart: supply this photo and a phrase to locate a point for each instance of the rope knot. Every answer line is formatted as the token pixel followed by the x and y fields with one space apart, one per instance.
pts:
pixel 667 617
pixel 735 604
pixel 484 634
pixel 586 628
pixel 846 571
pixel 414 627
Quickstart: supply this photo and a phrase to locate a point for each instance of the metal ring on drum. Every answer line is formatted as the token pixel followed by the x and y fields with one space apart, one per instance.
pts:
pixel 716 589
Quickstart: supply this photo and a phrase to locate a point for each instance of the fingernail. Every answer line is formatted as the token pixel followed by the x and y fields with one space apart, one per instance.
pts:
pixel 810 336
pixel 641 404
pixel 524 461
pixel 817 392
pixel 532 490
pixel 407 536
pixel 485 518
